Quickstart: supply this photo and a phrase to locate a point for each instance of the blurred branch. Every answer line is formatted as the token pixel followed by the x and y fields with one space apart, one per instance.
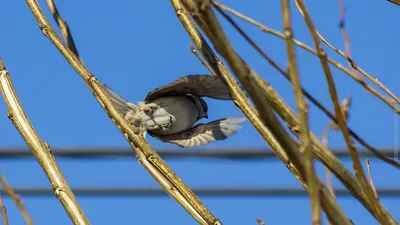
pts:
pixel 321 151
pixel 397 2
pixel 3 211
pixel 18 201
pixel 330 60
pixel 259 221
pixel 40 150
pixel 309 96
pixel 239 98
pixel 146 156
pixel 210 192
pixel 276 137
pixel 371 182
pixel 63 25
pixel 284 111
pixel 345 108
pixel 346 37
pixel 328 174
pixel 193 50
pixel 379 211
pixel 302 107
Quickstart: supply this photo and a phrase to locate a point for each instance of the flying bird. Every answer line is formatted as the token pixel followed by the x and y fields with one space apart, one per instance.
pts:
pixel 169 113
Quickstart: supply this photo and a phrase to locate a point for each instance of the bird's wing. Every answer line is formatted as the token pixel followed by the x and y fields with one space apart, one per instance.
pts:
pixel 122 105
pixel 202 134
pixel 200 85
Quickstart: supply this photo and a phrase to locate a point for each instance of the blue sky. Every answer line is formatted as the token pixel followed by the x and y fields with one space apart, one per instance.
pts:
pixel 134 47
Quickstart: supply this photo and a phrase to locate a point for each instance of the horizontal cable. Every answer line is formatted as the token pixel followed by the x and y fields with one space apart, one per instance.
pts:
pixel 215 192
pixel 243 153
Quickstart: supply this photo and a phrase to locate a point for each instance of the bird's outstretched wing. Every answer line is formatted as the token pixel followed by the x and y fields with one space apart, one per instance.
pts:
pixel 200 85
pixel 202 134
pixel 122 105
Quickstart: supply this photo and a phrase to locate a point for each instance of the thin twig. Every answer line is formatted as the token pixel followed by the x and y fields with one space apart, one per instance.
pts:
pixel 381 214
pixel 346 37
pixel 330 60
pixel 40 149
pixel 206 19
pixel 145 154
pixel 302 107
pixel 324 154
pixel 320 150
pixel 3 211
pixel 345 108
pixel 193 50
pixel 397 2
pixel 63 25
pixel 238 97
pixel 371 182
pixel 18 201
pixel 309 96
pixel 328 173
pixel 260 221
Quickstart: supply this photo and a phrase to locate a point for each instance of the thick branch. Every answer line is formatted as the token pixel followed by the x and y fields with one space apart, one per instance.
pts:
pixel 329 203
pixel 40 150
pixel 147 157
pixel 381 214
pixel 303 116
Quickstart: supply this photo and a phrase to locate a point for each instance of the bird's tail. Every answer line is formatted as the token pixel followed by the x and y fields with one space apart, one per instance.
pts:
pixel 122 105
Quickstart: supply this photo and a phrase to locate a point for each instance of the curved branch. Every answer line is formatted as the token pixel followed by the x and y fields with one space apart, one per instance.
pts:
pixel 145 154
pixel 40 149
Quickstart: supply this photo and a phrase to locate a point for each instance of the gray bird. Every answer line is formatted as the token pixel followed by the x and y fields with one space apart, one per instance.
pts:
pixel 168 113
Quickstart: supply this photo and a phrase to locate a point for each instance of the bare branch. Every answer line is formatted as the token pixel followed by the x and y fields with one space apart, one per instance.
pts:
pixel 327 171
pixel 397 2
pixel 308 95
pixel 346 37
pixel 261 222
pixel 146 156
pixel 193 50
pixel 302 107
pixel 63 25
pixel 367 87
pixel 40 149
pixel 18 201
pixel 382 215
pixel 345 108
pixel 3 211
pixel 371 182
pixel 207 21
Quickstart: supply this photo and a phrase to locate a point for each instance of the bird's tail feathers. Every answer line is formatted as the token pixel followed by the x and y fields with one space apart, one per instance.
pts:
pixel 122 104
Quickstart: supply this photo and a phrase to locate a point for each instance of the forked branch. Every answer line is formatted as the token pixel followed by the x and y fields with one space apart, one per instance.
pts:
pixel 276 136
pixel 145 154
pixel 379 211
pixel 40 150
pixel 18 201
pixel 307 94
pixel 341 67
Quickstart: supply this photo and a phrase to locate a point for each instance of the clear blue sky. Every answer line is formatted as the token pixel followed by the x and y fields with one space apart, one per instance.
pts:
pixel 134 47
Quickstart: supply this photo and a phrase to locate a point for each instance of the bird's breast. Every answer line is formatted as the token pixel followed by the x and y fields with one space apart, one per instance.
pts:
pixel 179 112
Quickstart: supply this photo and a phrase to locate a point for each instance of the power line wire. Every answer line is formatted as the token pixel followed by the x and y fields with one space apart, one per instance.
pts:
pixel 243 153
pixel 215 192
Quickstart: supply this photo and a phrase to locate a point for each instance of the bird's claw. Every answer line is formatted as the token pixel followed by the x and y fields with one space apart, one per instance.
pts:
pixel 148 108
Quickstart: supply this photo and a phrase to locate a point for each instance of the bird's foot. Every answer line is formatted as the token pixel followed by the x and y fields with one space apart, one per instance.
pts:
pixel 168 125
pixel 147 108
